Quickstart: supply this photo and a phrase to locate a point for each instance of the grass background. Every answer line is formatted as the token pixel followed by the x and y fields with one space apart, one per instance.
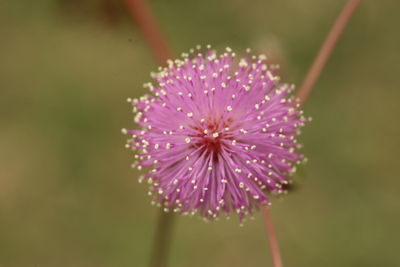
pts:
pixel 68 196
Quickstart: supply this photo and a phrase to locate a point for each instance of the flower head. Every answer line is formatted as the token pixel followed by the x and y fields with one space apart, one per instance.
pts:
pixel 218 134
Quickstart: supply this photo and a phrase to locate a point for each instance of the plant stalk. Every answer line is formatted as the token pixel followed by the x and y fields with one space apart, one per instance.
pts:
pixel 272 240
pixel 326 49
pixel 162 240
pixel 141 13
pixel 302 95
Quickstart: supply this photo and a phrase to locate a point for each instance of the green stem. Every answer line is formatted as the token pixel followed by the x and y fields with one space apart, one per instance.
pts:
pixel 145 21
pixel 162 240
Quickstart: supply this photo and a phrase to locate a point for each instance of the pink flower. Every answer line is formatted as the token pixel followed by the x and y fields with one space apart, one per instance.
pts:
pixel 218 133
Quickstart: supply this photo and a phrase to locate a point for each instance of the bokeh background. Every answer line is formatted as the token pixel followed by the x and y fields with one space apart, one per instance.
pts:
pixel 68 196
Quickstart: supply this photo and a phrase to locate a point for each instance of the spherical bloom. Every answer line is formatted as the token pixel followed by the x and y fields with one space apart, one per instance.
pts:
pixel 218 134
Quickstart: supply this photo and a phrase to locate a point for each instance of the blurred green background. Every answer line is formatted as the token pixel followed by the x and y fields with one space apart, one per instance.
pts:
pixel 68 196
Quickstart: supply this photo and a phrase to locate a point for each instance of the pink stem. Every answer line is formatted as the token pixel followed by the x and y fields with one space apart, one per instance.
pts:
pixel 302 94
pixel 326 49
pixel 141 13
pixel 273 242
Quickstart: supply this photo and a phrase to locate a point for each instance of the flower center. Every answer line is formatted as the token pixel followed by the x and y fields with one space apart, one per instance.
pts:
pixel 211 134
